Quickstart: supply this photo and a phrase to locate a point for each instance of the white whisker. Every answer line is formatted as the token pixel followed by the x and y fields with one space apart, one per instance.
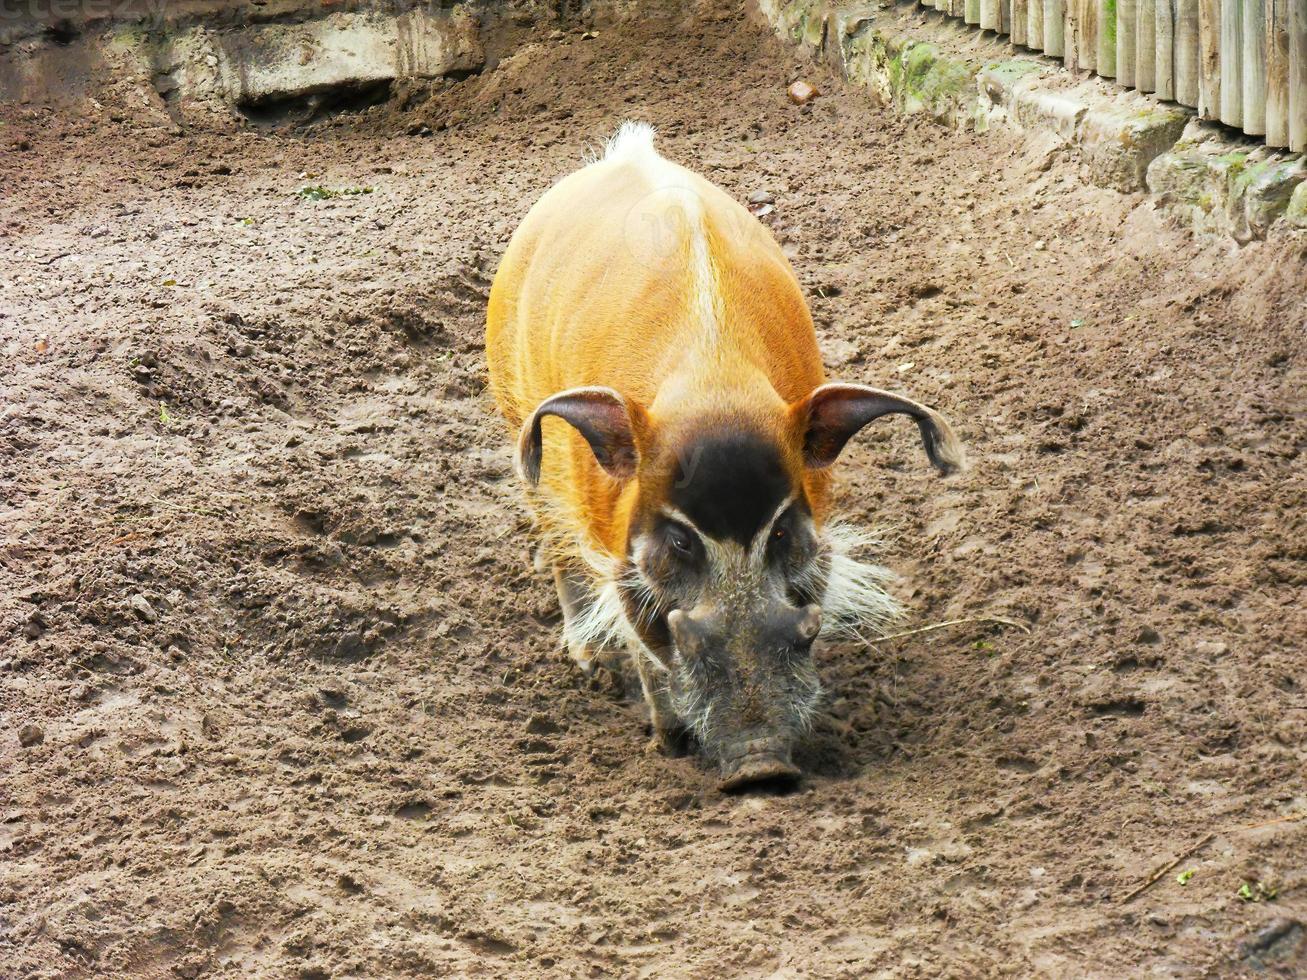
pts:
pixel 856 597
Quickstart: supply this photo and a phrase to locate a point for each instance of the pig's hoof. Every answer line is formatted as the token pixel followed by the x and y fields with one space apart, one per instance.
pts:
pixel 580 655
pixel 671 742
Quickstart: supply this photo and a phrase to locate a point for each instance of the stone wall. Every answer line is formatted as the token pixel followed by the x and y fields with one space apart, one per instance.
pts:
pixel 918 61
pixel 216 59
pixel 211 61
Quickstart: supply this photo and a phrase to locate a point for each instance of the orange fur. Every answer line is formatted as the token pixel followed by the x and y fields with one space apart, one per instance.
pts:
pixel 636 274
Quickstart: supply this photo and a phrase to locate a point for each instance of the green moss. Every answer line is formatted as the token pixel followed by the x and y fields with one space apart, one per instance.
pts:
pixel 1297 209
pixel 1231 164
pixel 918 72
pixel 128 40
pixel 1241 176
pixel 1235 158
pixel 1012 70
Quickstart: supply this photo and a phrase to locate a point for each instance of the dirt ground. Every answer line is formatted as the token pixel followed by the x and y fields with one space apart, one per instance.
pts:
pixel 280 692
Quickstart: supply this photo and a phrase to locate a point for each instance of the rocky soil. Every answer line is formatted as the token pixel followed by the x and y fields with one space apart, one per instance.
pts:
pixel 280 692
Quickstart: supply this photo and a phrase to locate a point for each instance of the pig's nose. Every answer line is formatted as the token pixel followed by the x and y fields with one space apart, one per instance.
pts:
pixel 758 763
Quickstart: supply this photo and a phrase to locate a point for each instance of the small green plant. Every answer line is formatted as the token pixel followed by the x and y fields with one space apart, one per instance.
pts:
pixel 985 647
pixel 1184 876
pixel 320 192
pixel 1257 891
pixel 166 417
pixel 245 221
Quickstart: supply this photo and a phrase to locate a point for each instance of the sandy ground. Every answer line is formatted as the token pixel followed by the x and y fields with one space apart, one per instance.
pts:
pixel 280 693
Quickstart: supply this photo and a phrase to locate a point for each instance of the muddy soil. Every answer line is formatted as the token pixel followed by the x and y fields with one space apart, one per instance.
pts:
pixel 280 692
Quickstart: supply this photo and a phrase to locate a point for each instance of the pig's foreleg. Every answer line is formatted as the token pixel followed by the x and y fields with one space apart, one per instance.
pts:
pixel 669 735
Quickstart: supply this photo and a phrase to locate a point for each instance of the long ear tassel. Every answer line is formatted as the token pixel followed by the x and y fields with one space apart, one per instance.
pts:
pixel 943 447
pixel 529 450
pixel 833 413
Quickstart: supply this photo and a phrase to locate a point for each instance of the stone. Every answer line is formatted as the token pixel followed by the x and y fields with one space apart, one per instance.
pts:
pixel 1266 190
pixel 350 645
pixel 1296 212
pixel 539 724
pixel 1281 943
pixel 801 93
pixel 1119 141
pixel 1233 188
pixel 802 22
pixel 30 735
pixel 141 606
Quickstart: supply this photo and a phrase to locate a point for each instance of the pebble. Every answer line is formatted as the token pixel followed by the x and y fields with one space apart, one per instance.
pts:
pixel 541 725
pixel 141 606
pixel 762 197
pixel 350 645
pixel 30 735
pixel 801 93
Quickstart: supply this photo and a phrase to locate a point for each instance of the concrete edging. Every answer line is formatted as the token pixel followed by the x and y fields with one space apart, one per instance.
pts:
pixel 919 62
pixel 194 71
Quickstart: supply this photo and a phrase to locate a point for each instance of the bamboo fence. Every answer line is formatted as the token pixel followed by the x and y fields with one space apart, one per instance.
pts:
pixel 1241 62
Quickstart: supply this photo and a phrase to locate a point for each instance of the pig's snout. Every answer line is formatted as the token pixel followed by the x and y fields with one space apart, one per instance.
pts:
pixel 754 762
pixel 745 686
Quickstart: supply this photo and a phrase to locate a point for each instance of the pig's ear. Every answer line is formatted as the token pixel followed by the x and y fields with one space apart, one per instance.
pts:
pixel 606 420
pixel 833 413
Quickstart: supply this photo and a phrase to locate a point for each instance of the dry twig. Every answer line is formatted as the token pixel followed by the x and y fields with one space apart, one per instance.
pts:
pixel 1157 876
pixel 1160 872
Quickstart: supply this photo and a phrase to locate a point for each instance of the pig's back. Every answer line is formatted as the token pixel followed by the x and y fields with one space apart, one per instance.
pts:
pixel 629 267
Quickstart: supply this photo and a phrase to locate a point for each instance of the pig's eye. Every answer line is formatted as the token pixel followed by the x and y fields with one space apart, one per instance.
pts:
pixel 681 540
pixel 778 534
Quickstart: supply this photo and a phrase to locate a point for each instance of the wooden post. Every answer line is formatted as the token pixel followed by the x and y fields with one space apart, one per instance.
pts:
pixel 1277 72
pixel 971 11
pixel 1209 59
pixel 1164 49
pixel 1105 37
pixel 989 15
pixel 1125 41
pixel 1087 33
pixel 1185 58
pixel 1004 17
pixel 1298 75
pixel 1254 67
pixel 1231 62
pixel 1035 24
pixel 1071 34
pixel 1054 28
pixel 1146 45
pixel 1020 22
